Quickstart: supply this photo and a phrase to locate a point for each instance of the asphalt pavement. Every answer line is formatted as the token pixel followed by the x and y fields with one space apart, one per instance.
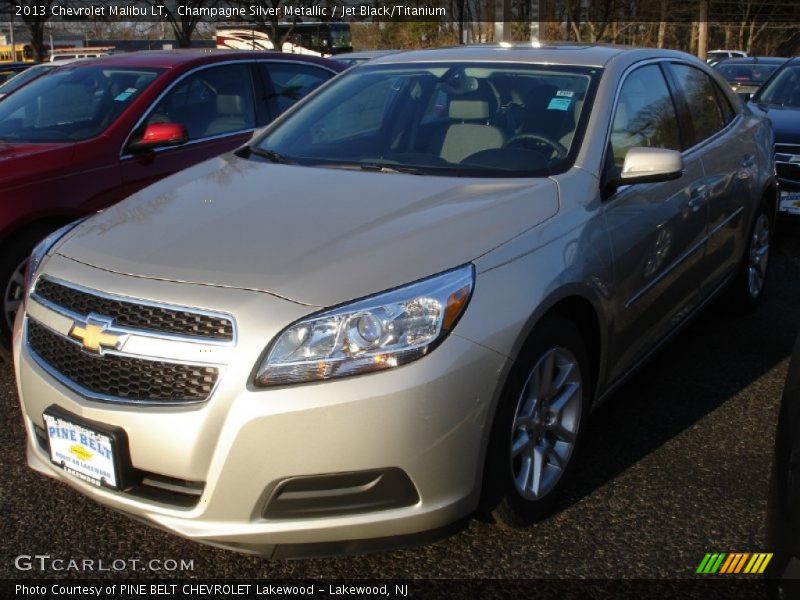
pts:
pixel 677 465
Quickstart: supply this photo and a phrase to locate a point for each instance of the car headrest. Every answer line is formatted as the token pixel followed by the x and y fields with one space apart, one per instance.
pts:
pixel 229 104
pixel 469 110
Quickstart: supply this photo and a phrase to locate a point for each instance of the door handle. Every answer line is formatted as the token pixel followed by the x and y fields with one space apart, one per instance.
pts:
pixel 748 164
pixel 697 197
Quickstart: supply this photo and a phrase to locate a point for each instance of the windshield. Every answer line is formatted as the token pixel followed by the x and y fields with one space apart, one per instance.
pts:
pixel 452 119
pixel 22 78
pixel 784 89
pixel 751 74
pixel 71 103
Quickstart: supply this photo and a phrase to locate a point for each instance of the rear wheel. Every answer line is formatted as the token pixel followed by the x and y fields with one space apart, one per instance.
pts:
pixel 539 425
pixel 747 288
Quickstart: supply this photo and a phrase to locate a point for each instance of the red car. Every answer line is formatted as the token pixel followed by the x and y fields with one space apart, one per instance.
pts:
pixel 91 133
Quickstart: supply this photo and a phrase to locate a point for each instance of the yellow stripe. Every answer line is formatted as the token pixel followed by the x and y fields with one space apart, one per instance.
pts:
pixel 727 563
pixel 767 558
pixel 753 564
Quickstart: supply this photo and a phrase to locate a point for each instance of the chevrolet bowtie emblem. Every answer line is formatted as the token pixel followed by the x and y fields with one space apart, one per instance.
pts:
pixel 94 335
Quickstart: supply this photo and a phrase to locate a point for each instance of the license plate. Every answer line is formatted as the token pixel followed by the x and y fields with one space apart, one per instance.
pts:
pixel 790 203
pixel 82 451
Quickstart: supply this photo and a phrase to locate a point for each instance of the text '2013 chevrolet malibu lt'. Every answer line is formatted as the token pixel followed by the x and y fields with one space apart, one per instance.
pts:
pixel 399 303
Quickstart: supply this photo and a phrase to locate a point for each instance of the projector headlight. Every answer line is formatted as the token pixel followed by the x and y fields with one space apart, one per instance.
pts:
pixel 380 332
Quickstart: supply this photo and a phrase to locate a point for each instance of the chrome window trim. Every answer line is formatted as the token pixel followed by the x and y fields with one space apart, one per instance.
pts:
pixel 649 61
pixel 247 61
pixel 131 300
pixel 88 394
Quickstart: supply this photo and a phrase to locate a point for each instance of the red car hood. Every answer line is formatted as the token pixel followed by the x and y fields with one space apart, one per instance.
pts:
pixel 20 160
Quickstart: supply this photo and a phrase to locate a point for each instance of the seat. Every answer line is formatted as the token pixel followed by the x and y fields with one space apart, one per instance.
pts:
pixel 464 139
pixel 230 115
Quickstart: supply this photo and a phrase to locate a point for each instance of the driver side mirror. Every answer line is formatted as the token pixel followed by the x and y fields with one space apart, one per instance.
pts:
pixel 160 135
pixel 646 165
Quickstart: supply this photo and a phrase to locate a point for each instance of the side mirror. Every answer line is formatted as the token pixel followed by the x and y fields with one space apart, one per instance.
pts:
pixel 642 165
pixel 650 165
pixel 160 135
pixel 745 96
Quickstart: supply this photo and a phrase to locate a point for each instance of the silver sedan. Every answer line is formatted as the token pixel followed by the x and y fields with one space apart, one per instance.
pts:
pixel 399 303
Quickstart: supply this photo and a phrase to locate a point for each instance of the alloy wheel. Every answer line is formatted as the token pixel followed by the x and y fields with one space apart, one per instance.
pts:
pixel 12 296
pixel 759 256
pixel 546 422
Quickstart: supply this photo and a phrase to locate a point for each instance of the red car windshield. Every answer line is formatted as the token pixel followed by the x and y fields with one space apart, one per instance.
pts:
pixel 71 103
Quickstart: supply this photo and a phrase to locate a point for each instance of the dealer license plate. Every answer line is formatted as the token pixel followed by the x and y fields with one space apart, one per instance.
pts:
pixel 81 451
pixel 790 203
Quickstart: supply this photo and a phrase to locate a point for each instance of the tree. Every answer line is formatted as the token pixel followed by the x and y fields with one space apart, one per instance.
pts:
pixel 183 25
pixel 35 14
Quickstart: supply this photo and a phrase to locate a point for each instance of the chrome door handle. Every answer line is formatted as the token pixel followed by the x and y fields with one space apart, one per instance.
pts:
pixel 697 197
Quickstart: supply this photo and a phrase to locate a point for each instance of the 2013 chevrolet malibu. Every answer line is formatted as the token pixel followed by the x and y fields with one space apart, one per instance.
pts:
pixel 399 303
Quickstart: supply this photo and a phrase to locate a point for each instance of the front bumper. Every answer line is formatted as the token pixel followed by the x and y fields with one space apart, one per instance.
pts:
pixel 429 419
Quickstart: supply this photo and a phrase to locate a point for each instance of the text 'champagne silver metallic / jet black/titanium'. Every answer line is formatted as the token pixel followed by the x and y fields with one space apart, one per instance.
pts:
pixel 399 303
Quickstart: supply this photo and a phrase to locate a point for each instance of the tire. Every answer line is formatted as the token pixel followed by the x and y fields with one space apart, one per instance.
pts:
pixel 13 258
pixel 544 434
pixel 747 288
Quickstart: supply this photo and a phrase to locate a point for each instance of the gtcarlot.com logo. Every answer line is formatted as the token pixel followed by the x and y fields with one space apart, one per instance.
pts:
pixel 45 562
pixel 734 563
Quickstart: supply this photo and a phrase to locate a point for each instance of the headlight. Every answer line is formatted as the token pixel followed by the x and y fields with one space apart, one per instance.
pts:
pixel 40 252
pixel 379 332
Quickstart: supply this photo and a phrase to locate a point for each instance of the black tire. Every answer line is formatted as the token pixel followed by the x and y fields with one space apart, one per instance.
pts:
pixel 13 254
pixel 740 298
pixel 502 501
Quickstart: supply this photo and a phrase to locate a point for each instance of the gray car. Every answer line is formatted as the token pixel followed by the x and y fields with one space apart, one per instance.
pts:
pixel 399 303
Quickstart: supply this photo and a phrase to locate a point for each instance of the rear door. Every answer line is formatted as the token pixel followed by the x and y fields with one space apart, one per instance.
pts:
pixel 217 106
pixel 727 150
pixel 657 230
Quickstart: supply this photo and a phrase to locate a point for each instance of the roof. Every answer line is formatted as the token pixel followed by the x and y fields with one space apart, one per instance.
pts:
pixel 168 59
pixel 752 60
pixel 590 55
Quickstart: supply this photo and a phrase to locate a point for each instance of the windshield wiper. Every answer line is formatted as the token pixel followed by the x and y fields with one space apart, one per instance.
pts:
pixel 372 167
pixel 270 155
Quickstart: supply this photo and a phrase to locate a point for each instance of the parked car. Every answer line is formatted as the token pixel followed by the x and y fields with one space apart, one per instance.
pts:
pixel 28 75
pixel 399 303
pixel 715 56
pixel 104 128
pixel 746 75
pixel 9 70
pixel 350 59
pixel 779 100
pixel 783 507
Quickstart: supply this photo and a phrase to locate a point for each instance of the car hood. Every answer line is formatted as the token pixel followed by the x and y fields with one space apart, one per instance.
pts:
pixel 18 160
pixel 785 122
pixel 318 236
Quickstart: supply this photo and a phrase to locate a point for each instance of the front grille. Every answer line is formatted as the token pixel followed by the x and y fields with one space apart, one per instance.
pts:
pixel 134 315
pixel 120 377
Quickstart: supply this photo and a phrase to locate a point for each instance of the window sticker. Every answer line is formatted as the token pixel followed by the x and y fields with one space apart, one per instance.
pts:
pixel 559 104
pixel 565 93
pixel 125 95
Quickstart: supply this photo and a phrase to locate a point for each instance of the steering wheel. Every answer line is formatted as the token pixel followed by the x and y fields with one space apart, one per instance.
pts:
pixel 538 141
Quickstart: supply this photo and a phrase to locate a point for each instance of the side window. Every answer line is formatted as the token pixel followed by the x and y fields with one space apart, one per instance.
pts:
pixel 705 114
pixel 728 113
pixel 291 82
pixel 210 102
pixel 645 114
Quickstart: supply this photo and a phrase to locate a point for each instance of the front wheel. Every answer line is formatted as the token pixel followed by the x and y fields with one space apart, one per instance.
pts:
pixel 538 426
